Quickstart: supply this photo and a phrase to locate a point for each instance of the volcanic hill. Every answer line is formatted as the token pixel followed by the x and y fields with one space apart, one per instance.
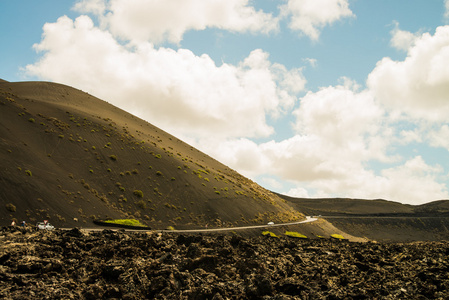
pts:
pixel 71 158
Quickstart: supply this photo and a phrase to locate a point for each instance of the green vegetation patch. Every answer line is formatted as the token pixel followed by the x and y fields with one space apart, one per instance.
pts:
pixel 337 236
pixel 269 233
pixel 138 193
pixel 126 222
pixel 295 234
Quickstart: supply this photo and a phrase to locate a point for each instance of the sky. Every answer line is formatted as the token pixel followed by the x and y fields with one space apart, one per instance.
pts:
pixel 309 98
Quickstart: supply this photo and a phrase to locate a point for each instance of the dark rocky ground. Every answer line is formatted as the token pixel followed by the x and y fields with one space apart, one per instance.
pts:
pixel 136 265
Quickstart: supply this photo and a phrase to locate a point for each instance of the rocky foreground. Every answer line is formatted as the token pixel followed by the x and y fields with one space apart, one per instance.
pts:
pixel 123 265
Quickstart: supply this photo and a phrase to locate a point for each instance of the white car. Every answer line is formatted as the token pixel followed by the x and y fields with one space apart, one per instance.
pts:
pixel 46 226
pixel 270 223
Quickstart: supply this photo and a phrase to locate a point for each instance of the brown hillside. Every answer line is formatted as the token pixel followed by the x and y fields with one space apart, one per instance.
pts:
pixel 71 158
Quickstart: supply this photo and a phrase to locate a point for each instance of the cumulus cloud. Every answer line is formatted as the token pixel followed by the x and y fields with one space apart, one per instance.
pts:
pixel 157 21
pixel 338 115
pixel 339 132
pixel 401 39
pixel 337 128
pixel 419 85
pixel 176 90
pixel 415 181
pixel 310 16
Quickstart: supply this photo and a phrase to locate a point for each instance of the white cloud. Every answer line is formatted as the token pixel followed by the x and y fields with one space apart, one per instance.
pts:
pixel 415 182
pixel 339 132
pixel 242 154
pixel 176 90
pixel 298 192
pixel 310 16
pixel 446 6
pixel 440 137
pixel 338 115
pixel 311 61
pixel 410 136
pixel 419 85
pixel 96 7
pixel 401 39
pixel 167 20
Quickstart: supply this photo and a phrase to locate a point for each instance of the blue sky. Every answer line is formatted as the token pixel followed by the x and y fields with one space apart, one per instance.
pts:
pixel 311 98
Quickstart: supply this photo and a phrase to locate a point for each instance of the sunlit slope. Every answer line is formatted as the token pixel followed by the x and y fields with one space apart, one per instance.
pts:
pixel 71 158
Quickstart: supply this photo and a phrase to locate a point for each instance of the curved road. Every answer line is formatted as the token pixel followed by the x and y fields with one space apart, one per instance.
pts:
pixel 307 220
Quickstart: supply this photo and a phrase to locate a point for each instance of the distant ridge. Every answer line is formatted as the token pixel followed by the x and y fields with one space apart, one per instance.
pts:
pixel 380 220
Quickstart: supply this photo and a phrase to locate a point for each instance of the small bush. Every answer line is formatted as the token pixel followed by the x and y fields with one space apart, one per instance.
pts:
pixel 28 172
pixel 173 179
pixel 295 234
pixel 159 173
pixel 337 236
pixel 127 222
pixel 10 207
pixel 269 233
pixel 31 120
pixel 113 157
pixel 138 193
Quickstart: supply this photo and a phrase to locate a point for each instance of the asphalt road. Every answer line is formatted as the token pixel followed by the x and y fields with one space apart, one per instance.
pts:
pixel 307 220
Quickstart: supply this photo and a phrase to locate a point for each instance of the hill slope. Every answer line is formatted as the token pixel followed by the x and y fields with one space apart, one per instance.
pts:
pixel 71 158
